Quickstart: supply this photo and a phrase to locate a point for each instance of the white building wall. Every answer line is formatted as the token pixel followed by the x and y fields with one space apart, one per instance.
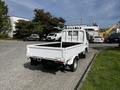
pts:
pixel 95 28
pixel 92 30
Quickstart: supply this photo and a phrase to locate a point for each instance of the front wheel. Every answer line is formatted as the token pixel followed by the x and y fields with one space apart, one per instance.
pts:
pixel 84 54
pixel 74 66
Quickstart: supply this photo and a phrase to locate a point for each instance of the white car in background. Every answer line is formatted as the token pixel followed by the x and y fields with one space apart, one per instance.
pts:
pixel 98 39
pixel 55 36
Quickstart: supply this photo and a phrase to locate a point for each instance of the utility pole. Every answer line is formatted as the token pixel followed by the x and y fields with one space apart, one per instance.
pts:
pixel 94 22
pixel 81 22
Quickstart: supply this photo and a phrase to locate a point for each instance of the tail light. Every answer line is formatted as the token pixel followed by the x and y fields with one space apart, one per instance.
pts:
pixel 59 62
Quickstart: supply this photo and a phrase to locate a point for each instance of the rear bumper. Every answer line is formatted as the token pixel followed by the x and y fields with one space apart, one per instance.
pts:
pixel 50 38
pixel 40 59
pixel 98 41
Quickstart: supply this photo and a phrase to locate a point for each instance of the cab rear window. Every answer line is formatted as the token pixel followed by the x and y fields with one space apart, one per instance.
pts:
pixel 74 33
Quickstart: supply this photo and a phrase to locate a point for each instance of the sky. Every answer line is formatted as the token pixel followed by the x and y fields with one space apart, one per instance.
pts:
pixel 103 12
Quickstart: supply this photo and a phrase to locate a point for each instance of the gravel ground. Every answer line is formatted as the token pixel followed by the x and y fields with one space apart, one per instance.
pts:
pixel 16 73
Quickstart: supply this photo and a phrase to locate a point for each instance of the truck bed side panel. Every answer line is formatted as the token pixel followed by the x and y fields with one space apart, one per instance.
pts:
pixel 74 51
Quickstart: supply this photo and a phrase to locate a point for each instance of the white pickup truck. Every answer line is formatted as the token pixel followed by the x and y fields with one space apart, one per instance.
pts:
pixel 74 44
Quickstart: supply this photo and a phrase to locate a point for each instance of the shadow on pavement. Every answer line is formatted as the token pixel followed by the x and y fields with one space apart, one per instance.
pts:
pixel 47 68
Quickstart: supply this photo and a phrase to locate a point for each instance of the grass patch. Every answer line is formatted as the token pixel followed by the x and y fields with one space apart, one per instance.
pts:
pixel 105 71
pixel 6 37
pixel 3 36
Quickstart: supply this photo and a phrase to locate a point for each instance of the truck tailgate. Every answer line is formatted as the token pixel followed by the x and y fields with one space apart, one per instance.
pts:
pixel 45 52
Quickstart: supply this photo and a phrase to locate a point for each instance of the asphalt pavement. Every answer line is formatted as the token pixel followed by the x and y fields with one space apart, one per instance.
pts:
pixel 16 73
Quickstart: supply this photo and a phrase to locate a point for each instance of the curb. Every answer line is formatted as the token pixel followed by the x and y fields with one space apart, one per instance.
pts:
pixel 79 84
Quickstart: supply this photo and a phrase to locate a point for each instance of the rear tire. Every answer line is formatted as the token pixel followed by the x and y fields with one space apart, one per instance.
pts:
pixel 74 66
pixel 33 62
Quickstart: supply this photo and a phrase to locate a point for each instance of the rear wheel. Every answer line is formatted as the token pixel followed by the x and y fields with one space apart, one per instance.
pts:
pixel 74 66
pixel 82 55
pixel 33 62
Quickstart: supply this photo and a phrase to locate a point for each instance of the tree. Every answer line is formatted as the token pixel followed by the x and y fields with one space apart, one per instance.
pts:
pixel 23 29
pixel 5 25
pixel 42 24
pixel 47 20
pixel 42 16
pixel 61 22
pixel 26 28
